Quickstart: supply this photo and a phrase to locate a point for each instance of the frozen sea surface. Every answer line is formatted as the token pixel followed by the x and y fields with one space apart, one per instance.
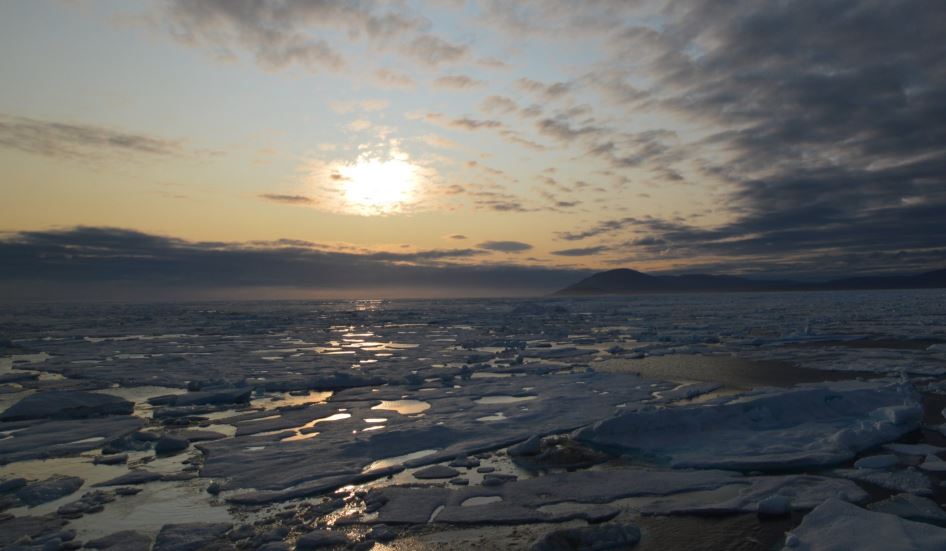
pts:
pixel 727 416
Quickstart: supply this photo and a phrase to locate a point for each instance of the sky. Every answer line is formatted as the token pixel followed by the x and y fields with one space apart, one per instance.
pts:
pixel 311 148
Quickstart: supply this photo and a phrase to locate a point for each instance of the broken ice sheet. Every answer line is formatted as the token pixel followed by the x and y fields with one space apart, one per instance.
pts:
pixel 647 491
pixel 451 426
pixel 811 425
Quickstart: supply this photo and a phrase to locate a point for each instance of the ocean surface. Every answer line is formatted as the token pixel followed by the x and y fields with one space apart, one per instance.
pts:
pixel 296 415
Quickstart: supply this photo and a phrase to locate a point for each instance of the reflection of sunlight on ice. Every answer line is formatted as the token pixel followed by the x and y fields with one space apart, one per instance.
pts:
pixel 397 460
pixel 289 400
pixel 404 407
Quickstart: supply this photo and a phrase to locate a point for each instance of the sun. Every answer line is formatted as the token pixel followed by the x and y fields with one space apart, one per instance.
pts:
pixel 375 187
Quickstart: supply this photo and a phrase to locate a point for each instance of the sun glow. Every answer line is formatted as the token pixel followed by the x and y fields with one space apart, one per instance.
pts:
pixel 374 187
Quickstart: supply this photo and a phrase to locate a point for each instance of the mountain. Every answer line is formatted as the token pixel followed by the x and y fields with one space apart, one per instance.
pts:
pixel 628 282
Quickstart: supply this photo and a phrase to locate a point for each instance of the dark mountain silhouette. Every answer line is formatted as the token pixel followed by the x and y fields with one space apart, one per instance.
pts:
pixel 628 282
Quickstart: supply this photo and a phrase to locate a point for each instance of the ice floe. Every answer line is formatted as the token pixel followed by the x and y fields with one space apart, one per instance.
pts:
pixel 838 526
pixel 805 426
pixel 656 492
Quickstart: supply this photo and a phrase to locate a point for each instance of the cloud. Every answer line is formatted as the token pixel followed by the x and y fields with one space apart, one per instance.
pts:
pixel 505 246
pixel 284 33
pixel 88 263
pixel 492 62
pixel 421 256
pixel 826 238
pixel 456 236
pixel 604 227
pixel 498 104
pixel 561 130
pixel 358 125
pixel 463 123
pixel 288 199
pixel 828 131
pixel 457 82
pixel 434 50
pixel 433 140
pixel 814 129
pixel 585 251
pixel 817 127
pixel 345 107
pixel 502 205
pixel 63 140
pixel 546 91
pixel 393 79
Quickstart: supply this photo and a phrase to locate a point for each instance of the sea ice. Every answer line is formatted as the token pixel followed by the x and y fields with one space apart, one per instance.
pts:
pixel 911 507
pixel 656 492
pixel 189 537
pixel 66 405
pixel 56 438
pixel 919 450
pixel 805 426
pixel 50 489
pixel 838 526
pixel 450 427
pixel 907 480
pixel 883 461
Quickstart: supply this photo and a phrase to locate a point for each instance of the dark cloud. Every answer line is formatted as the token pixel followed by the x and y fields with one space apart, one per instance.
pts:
pixel 421 256
pixel 500 205
pixel 463 123
pixel 830 133
pixel 563 131
pixel 457 236
pixel 290 199
pixel 810 239
pixel 56 139
pixel 605 227
pixel 496 199
pixel 505 246
pixel 584 251
pixel 95 263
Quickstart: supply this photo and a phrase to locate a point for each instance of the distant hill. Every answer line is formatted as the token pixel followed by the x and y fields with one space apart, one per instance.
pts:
pixel 630 282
